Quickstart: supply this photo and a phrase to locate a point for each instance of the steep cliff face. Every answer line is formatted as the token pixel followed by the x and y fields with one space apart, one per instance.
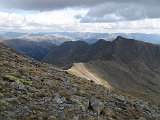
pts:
pixel 32 90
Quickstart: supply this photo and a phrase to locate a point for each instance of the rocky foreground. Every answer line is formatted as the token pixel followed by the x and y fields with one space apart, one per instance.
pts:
pixel 30 90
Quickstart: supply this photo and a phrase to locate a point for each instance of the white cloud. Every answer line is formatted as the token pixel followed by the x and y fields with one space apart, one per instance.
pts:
pixel 64 20
pixel 41 20
pixel 80 15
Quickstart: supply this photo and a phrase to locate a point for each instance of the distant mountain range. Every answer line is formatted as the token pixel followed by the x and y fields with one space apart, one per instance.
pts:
pixel 38 37
pixel 125 64
pixel 60 37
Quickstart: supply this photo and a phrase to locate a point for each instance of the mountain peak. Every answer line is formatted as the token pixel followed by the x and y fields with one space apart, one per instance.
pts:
pixel 120 38
pixel 101 42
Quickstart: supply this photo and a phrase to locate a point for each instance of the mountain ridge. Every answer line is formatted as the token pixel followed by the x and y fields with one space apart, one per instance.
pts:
pixel 110 47
pixel 33 90
pixel 123 63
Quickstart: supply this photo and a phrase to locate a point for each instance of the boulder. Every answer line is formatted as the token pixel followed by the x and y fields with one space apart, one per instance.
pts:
pixel 96 105
pixel 81 101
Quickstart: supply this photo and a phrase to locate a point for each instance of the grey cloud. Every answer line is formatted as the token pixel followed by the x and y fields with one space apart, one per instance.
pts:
pixel 124 11
pixel 59 4
pixel 42 5
pixel 77 16
pixel 99 10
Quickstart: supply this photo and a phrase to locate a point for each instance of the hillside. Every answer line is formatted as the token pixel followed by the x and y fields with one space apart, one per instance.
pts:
pixel 34 49
pixel 125 64
pixel 31 90
pixel 113 75
pixel 67 53
pixel 121 49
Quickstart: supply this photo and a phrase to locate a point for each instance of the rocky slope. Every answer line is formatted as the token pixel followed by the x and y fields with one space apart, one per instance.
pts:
pixel 34 91
pixel 124 64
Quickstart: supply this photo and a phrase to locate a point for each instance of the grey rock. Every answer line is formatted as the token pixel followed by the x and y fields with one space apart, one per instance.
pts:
pixel 11 99
pixel 121 97
pixel 19 87
pixel 142 118
pixel 58 99
pixel 75 118
pixel 1 95
pixel 22 88
pixel 82 102
pixel 96 105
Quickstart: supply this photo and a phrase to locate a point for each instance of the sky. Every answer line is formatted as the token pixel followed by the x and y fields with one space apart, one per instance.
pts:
pixel 80 16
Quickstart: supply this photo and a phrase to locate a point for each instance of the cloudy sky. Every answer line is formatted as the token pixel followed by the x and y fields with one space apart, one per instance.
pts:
pixel 80 15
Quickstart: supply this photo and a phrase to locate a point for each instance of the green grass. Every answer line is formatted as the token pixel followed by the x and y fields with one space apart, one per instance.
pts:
pixel 18 80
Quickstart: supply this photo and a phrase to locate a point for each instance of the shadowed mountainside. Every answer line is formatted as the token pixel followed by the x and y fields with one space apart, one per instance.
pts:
pixel 121 50
pixel 34 49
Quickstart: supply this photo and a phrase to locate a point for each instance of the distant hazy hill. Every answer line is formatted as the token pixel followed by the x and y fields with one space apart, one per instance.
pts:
pixel 125 63
pixel 60 37
pixel 56 38
pixel 11 35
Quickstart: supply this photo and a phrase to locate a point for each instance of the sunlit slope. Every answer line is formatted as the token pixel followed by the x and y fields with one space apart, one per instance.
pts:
pixel 119 76
pixel 85 71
